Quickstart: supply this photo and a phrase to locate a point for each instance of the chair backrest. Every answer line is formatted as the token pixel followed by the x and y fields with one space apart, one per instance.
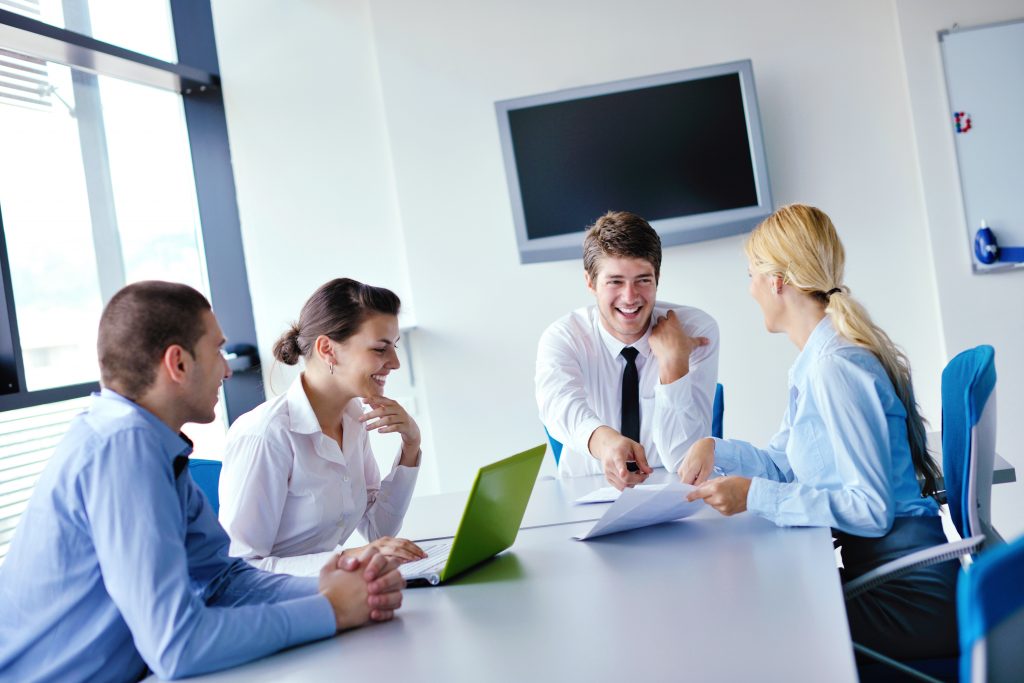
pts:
pixel 990 615
pixel 556 446
pixel 206 475
pixel 718 411
pixel 717 418
pixel 968 437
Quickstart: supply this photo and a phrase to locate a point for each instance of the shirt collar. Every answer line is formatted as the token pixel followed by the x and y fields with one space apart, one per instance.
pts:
pixel 107 403
pixel 615 346
pixel 301 418
pixel 821 335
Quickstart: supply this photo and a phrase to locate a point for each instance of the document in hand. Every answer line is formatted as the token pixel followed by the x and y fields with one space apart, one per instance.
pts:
pixel 609 494
pixel 639 507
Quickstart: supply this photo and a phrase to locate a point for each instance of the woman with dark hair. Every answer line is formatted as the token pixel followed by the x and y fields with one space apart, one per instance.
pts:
pixel 299 475
pixel 850 453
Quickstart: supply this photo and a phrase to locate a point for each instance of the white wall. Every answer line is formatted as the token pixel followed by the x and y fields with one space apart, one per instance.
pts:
pixel 836 122
pixel 384 111
pixel 312 167
pixel 975 309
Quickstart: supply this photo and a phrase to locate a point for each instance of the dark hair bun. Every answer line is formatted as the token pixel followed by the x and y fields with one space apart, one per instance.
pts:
pixel 286 349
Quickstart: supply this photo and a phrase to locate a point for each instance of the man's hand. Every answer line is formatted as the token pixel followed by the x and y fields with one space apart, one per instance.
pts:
pixel 699 462
pixel 346 590
pixel 672 347
pixel 728 495
pixel 614 451
pixel 374 593
pixel 384 584
pixel 399 549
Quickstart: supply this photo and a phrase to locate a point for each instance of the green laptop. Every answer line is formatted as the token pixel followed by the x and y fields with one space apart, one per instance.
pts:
pixel 494 510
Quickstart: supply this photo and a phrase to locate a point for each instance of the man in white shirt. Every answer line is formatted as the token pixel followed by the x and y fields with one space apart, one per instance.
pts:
pixel 628 384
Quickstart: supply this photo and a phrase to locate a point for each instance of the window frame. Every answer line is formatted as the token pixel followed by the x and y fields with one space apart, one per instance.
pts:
pixel 196 78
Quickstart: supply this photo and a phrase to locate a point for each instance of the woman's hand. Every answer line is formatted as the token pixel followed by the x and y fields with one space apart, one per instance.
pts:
pixel 728 495
pixel 400 549
pixel 389 416
pixel 698 463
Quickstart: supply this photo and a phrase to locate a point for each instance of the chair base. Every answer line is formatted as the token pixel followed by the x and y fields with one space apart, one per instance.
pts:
pixel 874 667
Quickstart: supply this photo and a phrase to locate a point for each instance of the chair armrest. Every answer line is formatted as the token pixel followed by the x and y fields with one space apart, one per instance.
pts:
pixel 902 565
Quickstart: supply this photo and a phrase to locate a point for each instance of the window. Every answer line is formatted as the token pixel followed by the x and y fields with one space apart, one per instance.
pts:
pixel 101 185
pixel 143 26
pixel 96 191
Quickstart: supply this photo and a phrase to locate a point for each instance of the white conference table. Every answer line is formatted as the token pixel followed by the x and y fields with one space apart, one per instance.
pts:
pixel 705 598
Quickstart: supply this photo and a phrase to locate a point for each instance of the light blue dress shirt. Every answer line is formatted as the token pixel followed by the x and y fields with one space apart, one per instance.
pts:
pixel 841 458
pixel 117 564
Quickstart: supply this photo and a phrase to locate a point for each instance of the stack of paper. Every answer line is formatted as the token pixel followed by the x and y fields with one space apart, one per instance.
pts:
pixel 640 506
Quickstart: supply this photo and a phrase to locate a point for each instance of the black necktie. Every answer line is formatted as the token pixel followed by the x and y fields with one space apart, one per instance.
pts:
pixel 630 395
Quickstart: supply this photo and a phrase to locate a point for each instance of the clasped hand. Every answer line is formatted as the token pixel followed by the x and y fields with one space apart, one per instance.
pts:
pixel 361 589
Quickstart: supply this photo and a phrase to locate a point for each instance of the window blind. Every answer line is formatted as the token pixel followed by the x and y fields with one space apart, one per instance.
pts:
pixel 27 440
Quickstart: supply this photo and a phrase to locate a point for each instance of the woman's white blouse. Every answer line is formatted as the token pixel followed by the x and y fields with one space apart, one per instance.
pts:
pixel 841 457
pixel 289 495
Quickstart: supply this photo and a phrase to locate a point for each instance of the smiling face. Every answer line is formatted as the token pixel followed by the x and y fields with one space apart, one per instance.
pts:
pixel 364 360
pixel 209 370
pixel 625 289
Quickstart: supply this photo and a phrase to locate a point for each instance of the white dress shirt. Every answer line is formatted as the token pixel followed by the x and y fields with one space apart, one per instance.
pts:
pixel 841 458
pixel 579 388
pixel 289 495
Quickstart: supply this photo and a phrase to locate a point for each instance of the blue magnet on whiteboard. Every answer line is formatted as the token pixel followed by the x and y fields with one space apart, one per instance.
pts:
pixel 988 251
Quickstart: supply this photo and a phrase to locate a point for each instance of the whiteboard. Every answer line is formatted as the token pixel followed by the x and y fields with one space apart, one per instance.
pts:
pixel 984 68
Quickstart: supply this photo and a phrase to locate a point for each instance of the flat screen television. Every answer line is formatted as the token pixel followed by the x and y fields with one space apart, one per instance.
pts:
pixel 682 149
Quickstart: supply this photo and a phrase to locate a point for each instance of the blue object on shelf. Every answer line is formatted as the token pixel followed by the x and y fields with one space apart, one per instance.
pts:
pixel 988 251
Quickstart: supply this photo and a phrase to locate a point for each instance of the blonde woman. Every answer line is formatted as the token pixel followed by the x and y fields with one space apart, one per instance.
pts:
pixel 851 448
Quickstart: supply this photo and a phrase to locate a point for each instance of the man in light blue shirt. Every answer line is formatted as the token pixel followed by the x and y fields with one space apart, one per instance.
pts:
pixel 119 564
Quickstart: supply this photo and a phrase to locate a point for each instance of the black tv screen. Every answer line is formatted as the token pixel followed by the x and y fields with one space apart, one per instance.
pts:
pixel 683 150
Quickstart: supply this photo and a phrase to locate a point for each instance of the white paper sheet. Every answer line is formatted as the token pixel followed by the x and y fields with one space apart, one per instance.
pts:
pixel 643 506
pixel 609 494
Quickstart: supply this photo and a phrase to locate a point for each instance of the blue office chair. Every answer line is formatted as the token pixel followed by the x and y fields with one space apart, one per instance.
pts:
pixel 206 475
pixel 718 411
pixel 969 440
pixel 968 453
pixel 717 418
pixel 556 446
pixel 990 614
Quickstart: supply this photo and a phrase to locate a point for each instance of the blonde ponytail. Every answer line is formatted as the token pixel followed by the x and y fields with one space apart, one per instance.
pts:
pixel 799 243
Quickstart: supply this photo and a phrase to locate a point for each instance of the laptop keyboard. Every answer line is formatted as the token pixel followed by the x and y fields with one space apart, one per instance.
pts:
pixel 437 556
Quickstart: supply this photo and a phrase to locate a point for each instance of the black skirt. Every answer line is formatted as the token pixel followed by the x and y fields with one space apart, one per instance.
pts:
pixel 913 616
